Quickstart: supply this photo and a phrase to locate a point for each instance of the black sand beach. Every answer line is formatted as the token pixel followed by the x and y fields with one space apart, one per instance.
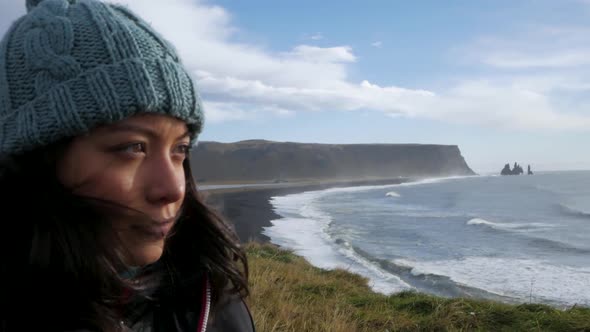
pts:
pixel 249 210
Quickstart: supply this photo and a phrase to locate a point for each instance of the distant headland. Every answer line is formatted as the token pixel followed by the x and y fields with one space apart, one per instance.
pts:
pixel 516 170
pixel 267 161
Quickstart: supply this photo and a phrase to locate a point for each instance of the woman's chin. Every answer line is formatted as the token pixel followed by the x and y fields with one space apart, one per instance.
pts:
pixel 146 254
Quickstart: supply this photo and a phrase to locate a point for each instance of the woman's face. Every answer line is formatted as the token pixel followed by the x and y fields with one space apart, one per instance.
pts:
pixel 138 163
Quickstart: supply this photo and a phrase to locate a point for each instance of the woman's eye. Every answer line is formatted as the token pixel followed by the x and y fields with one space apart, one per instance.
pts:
pixel 133 148
pixel 183 149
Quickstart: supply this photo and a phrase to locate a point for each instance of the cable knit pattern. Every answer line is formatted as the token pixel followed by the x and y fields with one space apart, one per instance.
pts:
pixel 68 66
pixel 48 41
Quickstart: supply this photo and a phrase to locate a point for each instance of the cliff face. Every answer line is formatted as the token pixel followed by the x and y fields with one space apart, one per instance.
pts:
pixel 273 161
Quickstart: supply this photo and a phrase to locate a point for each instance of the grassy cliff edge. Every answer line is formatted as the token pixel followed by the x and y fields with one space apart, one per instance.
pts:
pixel 289 294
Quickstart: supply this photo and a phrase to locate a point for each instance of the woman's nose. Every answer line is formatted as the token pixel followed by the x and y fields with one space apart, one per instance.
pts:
pixel 166 181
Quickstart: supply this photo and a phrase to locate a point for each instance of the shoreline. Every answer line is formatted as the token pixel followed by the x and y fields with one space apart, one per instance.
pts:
pixel 249 211
pixel 248 208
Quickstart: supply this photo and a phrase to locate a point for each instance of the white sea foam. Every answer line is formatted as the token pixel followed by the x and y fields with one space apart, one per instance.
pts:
pixel 392 194
pixel 303 229
pixel 437 180
pixel 508 226
pixel 524 279
pixel 385 186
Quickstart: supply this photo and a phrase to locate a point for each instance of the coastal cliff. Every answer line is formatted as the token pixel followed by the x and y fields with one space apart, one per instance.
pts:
pixel 259 160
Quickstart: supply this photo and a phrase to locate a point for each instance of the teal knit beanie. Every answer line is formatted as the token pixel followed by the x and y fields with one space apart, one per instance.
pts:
pixel 68 66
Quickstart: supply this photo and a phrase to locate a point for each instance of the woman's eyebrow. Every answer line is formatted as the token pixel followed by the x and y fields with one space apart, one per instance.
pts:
pixel 118 127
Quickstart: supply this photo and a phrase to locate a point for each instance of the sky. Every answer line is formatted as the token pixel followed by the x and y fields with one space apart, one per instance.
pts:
pixel 504 80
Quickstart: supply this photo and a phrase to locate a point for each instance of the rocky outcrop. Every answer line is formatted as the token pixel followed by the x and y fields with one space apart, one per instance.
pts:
pixel 516 170
pixel 258 160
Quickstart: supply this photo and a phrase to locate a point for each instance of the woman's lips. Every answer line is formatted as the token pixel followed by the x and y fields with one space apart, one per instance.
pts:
pixel 159 229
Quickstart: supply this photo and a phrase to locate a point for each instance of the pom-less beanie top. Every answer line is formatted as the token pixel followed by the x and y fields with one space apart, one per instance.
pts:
pixel 68 66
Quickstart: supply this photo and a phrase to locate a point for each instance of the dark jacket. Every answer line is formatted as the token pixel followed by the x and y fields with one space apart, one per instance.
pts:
pixel 230 314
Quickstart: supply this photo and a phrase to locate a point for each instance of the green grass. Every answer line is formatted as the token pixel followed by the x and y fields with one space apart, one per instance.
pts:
pixel 288 294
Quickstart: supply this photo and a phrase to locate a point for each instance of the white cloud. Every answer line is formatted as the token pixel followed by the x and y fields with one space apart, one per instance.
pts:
pixel 507 106
pixel 228 111
pixel 541 47
pixel 346 97
pixel 241 81
pixel 322 54
pixel 316 36
pixel 377 44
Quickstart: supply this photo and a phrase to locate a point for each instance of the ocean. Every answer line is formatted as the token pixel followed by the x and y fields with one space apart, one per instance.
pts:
pixel 516 239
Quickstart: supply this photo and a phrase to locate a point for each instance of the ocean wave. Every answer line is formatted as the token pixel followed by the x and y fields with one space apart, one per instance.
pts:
pixel 437 180
pixel 302 205
pixel 508 226
pixel 304 229
pixel 428 282
pixel 435 284
pixel 538 242
pixel 556 246
pixel 368 264
pixel 315 194
pixel 392 194
pixel 523 279
pixel 425 213
pixel 572 211
pixel 559 190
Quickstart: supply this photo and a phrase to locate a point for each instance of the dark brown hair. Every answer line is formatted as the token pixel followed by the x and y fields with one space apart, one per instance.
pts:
pixel 62 268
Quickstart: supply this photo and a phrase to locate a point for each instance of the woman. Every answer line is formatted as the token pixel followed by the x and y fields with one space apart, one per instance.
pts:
pixel 97 117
